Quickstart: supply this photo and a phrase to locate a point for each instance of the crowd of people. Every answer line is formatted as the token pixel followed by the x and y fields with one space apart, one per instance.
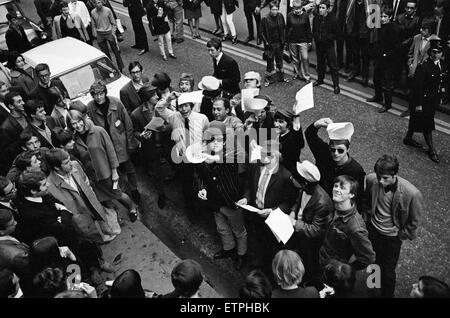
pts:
pixel 64 165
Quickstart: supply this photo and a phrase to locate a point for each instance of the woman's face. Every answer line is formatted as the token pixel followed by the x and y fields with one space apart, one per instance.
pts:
pixel 78 125
pixel 20 62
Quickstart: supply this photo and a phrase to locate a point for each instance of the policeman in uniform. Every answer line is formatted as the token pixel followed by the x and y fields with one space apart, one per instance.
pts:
pixel 429 89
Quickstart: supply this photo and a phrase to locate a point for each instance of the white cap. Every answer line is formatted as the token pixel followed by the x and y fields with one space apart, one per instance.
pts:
pixel 255 104
pixel 340 131
pixel 253 75
pixel 209 83
pixel 185 98
pixel 194 153
pixel 309 171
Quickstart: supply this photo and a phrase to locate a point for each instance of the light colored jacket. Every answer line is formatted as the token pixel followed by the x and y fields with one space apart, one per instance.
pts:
pixel 416 54
pixel 76 21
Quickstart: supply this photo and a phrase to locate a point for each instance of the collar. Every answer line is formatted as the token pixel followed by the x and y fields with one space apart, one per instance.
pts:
pixel 270 171
pixel 9 238
pixel 35 200
pixel 218 58
pixel 46 86
pixel 63 177
pixel 345 215
pixel 7 204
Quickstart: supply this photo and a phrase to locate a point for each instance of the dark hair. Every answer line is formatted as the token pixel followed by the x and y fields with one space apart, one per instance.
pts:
pixel 25 136
pixel 326 3
pixel 340 276
pixel 63 5
pixel 226 102
pixel 274 3
pixel 281 116
pixel 146 92
pixel 32 106
pixel 133 65
pixel 72 294
pixel 387 10
pixel 41 67
pixel 9 98
pixel 23 161
pixel 187 77
pixel 434 288
pixel 49 283
pixel 61 137
pixel 429 24
pixel 187 277
pixel 387 164
pixel 354 186
pixel 54 95
pixel 45 253
pixel 344 142
pixel 5 217
pixel 55 156
pixel 29 181
pixel 10 16
pixel 98 87
pixel 256 285
pixel 3 183
pixel 7 286
pixel 215 43
pixel 12 58
pixel 127 285
pixel 161 80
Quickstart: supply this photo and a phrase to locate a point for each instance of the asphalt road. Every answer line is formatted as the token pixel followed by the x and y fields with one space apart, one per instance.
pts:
pixel 375 135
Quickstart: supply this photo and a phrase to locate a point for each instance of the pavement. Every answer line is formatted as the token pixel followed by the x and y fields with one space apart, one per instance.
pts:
pixel 375 134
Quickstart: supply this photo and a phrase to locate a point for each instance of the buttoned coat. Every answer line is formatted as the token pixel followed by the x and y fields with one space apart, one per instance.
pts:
pixel 129 97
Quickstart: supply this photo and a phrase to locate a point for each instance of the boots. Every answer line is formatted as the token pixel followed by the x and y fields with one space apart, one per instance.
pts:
pixel 387 102
pixel 335 78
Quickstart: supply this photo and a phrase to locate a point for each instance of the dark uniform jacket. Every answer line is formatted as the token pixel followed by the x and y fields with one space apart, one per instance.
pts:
pixel 17 41
pixel 325 29
pixel 227 70
pixel 388 46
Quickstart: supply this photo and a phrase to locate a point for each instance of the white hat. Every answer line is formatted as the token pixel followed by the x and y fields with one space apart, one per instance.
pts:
pixel 255 104
pixel 253 75
pixel 194 153
pixel 340 131
pixel 308 171
pixel 209 83
pixel 185 98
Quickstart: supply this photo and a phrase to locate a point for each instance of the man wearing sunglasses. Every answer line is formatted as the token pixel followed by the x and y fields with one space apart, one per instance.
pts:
pixel 333 159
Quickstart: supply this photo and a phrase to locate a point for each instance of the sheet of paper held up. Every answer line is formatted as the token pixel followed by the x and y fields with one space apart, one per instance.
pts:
pixel 247 94
pixel 280 225
pixel 194 97
pixel 155 123
pixel 304 99
pixel 255 153
pixel 249 208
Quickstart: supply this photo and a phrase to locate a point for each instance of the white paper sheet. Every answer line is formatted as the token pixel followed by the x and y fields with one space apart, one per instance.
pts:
pixel 247 94
pixel 249 208
pixel 255 153
pixel 280 225
pixel 155 123
pixel 304 99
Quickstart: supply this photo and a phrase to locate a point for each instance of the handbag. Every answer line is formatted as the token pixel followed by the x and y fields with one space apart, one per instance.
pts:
pixel 110 225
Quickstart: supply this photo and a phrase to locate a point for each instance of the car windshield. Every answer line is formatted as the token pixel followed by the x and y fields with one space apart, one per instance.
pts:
pixel 78 82
pixel 9 7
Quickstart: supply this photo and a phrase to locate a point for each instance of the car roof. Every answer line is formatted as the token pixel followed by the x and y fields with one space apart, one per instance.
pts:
pixel 62 55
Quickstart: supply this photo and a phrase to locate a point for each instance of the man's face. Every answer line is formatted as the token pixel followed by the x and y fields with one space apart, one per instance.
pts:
pixel 216 143
pixel 425 32
pixel 261 116
pixel 417 290
pixel 35 164
pixel 185 86
pixel 281 126
pixel 15 22
pixel 251 83
pixel 410 8
pixel 219 111
pixel 297 10
pixel 66 165
pixel 70 145
pixel 43 189
pixel 341 192
pixel 44 77
pixel 40 114
pixel 10 192
pixel 213 52
pixel 386 179
pixel 33 144
pixel 78 125
pixel 274 11
pixel 436 54
pixel 65 11
pixel 18 104
pixel 3 91
pixel 385 19
pixel 99 4
pixel 100 97
pixel 185 109
pixel 136 74
pixel 338 152
pixel 153 100
pixel 323 10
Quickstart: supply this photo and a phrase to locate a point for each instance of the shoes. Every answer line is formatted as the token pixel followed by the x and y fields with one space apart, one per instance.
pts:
pixel 106 267
pixel 135 47
pixel 434 157
pixel 411 142
pixel 374 99
pixel 250 38
pixel 404 113
pixel 171 55
pixel 133 215
pixel 317 83
pixel 295 77
pixel 226 37
pixel 337 90
pixel 234 40
pixel 164 58
pixel 136 196
pixel 351 76
pixel 161 201
pixel 181 40
pixel 240 262
pixel 224 254
pixel 142 52
pixel 258 41
pixel 216 31
pixel 384 109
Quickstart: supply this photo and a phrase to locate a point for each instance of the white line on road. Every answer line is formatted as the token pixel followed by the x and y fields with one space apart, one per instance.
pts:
pixel 441 125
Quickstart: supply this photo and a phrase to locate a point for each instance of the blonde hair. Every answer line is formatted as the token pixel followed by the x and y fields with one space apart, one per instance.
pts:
pixel 287 268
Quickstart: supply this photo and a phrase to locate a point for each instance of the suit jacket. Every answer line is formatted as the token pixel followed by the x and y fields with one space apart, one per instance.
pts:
pixel 26 79
pixel 228 71
pixel 45 142
pixel 280 192
pixel 406 207
pixel 14 256
pixel 83 203
pixel 84 36
pixel 416 54
pixel 10 141
pixel 56 119
pixel 129 97
pixel 41 93
pixel 17 41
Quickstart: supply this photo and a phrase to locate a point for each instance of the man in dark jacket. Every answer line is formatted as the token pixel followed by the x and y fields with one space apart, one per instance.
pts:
pixel 333 159
pixel 325 31
pixel 387 58
pixel 310 216
pixel 136 11
pixel 128 93
pixel 225 67
pixel 252 9
pixel 16 39
pixel 37 125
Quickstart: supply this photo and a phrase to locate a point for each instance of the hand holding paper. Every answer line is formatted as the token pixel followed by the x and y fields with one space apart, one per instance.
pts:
pixel 304 99
pixel 280 224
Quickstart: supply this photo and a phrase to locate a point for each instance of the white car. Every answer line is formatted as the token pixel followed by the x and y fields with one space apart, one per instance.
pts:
pixel 78 65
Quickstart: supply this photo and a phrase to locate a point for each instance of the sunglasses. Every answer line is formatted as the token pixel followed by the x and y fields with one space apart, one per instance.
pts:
pixel 339 150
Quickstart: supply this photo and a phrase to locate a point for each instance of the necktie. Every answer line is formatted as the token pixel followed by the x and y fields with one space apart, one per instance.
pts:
pixel 186 132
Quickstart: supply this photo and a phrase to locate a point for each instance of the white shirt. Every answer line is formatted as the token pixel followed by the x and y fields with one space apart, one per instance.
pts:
pixel 35 200
pixel 5 107
pixel 261 193
pixel 80 8
pixel 218 58
pixel 69 180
